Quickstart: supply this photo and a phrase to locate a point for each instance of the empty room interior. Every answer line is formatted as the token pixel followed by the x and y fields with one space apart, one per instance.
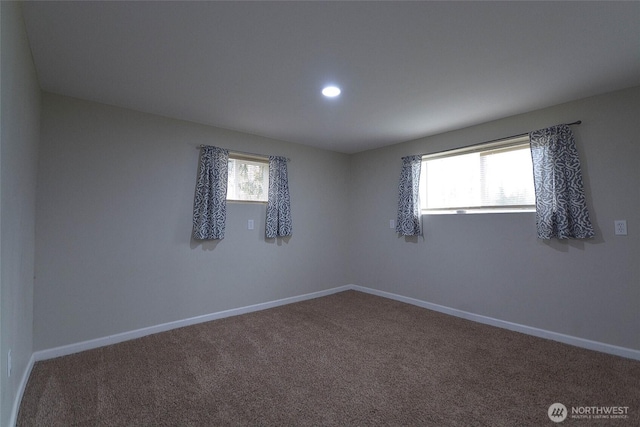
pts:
pixel 337 296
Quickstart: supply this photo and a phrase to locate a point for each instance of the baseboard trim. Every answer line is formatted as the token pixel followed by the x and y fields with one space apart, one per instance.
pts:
pixel 13 419
pixel 541 333
pixel 138 333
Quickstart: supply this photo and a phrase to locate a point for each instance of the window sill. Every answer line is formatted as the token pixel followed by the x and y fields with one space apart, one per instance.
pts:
pixel 252 202
pixel 477 211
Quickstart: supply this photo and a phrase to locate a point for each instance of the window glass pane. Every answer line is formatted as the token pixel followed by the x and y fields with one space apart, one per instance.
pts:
pixel 507 178
pixel 248 180
pixel 453 181
pixel 498 177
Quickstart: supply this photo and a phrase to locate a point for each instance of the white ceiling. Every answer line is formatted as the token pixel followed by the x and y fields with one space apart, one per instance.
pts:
pixel 406 69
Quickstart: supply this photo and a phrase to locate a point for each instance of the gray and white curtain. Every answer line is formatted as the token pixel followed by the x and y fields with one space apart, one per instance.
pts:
pixel 210 204
pixel 561 208
pixel 408 222
pixel 278 222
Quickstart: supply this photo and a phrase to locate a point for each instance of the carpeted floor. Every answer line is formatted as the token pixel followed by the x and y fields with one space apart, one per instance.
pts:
pixel 349 359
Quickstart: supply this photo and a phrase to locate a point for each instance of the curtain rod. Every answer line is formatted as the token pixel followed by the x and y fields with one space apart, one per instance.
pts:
pixel 246 153
pixel 577 122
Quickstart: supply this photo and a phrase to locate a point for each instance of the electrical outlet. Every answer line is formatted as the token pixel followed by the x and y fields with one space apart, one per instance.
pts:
pixel 392 224
pixel 9 363
pixel 250 224
pixel 620 227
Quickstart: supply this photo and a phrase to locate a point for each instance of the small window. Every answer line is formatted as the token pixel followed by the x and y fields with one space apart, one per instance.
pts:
pixel 492 177
pixel 248 178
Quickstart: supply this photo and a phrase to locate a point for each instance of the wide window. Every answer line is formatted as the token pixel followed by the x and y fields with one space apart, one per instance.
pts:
pixel 492 177
pixel 248 179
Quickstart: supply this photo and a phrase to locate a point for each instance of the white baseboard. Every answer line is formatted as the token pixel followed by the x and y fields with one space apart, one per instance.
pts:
pixel 536 332
pixel 138 333
pixel 21 388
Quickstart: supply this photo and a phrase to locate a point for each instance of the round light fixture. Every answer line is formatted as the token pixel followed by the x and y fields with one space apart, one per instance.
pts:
pixel 331 91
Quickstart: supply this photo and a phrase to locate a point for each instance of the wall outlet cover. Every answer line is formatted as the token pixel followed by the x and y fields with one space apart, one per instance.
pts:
pixel 620 227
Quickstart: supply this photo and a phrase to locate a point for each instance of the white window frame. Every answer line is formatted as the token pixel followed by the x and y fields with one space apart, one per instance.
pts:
pixel 232 194
pixel 519 142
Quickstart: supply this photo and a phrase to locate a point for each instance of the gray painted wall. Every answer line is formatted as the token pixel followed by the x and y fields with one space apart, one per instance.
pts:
pixel 493 264
pixel 18 160
pixel 115 200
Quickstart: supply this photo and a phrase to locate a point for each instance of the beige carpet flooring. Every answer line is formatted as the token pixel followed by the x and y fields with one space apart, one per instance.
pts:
pixel 348 359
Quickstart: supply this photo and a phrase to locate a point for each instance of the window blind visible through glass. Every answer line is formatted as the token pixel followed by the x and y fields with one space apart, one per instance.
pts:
pixel 507 177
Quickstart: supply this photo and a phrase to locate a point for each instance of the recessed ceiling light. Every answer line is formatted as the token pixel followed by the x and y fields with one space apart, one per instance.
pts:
pixel 331 91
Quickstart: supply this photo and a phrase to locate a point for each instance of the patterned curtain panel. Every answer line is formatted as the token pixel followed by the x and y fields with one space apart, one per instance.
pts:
pixel 210 205
pixel 279 202
pixel 561 209
pixel 408 223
